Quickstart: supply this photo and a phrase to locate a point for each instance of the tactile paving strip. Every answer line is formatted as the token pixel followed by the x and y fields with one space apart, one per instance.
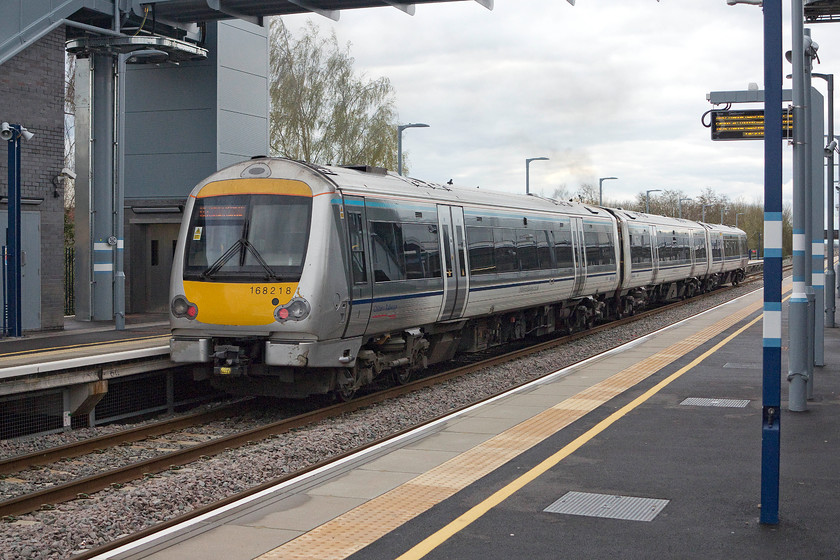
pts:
pixel 355 529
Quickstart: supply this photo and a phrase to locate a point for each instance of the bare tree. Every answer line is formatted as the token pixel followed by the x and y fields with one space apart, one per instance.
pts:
pixel 322 110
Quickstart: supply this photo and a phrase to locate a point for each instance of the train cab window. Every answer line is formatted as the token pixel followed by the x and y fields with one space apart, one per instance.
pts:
pixel 504 249
pixel 243 238
pixel 388 256
pixel 526 250
pixel 421 248
pixel 481 250
pixel 357 247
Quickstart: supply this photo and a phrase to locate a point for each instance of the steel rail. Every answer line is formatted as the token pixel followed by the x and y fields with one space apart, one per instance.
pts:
pixel 90 445
pixel 88 485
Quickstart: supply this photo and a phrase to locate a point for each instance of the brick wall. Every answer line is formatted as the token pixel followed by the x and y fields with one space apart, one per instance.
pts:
pixel 32 94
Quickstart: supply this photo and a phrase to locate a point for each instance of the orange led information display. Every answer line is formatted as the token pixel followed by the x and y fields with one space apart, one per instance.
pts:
pixel 745 125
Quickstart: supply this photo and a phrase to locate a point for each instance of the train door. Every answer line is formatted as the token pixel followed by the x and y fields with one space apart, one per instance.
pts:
pixel 454 255
pixel 654 247
pixel 580 255
pixel 360 284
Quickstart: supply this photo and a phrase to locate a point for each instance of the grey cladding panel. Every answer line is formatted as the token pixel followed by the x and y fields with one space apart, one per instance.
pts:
pixel 243 50
pixel 152 88
pixel 166 175
pixel 170 132
pixel 243 93
pixel 242 134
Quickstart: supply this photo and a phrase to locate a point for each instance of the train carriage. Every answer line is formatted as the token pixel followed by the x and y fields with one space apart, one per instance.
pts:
pixel 294 279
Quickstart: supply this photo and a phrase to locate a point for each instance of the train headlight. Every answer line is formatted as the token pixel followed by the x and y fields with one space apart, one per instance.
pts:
pixel 183 308
pixel 295 310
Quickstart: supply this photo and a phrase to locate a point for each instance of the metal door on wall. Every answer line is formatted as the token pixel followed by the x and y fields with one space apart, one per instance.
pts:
pixel 160 250
pixel 30 269
pixel 456 281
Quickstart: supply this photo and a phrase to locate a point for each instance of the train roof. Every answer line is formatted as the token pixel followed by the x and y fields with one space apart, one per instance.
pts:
pixel 631 216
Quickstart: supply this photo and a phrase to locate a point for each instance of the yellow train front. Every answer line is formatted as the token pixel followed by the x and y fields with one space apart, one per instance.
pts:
pixel 253 289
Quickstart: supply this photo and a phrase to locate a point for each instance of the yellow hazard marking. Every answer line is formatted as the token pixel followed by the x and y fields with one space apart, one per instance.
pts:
pixel 255 186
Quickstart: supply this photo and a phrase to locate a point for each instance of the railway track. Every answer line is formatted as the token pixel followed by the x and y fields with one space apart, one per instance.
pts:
pixel 83 487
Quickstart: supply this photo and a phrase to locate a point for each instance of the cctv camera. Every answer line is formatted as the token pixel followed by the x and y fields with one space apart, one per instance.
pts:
pixel 68 173
pixel 5 131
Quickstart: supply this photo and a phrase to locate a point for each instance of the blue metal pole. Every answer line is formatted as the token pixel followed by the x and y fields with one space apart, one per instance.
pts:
pixel 772 336
pixel 13 240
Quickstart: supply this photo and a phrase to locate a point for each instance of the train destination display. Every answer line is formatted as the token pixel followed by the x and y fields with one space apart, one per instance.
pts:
pixel 746 125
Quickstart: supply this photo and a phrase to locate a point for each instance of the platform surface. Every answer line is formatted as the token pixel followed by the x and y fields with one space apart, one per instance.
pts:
pixel 649 452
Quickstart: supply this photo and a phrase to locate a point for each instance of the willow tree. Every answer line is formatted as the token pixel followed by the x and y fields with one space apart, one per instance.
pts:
pixel 322 111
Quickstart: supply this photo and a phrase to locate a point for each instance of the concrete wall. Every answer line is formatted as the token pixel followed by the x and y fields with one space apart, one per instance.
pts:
pixel 32 94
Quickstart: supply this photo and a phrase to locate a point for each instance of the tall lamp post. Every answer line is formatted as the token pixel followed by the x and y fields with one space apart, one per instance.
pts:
pixel 680 204
pixel 647 199
pixel 736 217
pixel 703 219
pixel 722 210
pixel 830 277
pixel 601 189
pixel 528 172
pixel 400 129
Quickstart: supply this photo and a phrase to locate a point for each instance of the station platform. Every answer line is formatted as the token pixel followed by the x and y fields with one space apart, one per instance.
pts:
pixel 652 450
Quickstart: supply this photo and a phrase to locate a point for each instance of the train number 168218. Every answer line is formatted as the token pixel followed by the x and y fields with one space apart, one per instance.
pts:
pixel 270 290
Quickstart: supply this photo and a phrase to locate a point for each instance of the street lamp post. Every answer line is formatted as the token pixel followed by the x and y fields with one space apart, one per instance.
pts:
pixel 703 219
pixel 681 201
pixel 722 210
pixel 601 189
pixel 647 199
pixel 528 172
pixel 736 217
pixel 400 129
pixel 830 277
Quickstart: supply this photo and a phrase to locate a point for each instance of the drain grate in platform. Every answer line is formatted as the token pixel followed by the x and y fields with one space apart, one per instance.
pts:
pixel 735 365
pixel 609 506
pixel 726 403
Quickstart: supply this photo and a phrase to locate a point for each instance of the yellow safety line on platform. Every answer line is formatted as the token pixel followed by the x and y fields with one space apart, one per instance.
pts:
pixel 372 520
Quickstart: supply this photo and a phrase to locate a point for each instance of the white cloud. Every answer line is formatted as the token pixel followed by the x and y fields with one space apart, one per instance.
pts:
pixel 608 87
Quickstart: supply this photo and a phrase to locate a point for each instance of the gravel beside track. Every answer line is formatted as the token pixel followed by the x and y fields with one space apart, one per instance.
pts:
pixel 75 526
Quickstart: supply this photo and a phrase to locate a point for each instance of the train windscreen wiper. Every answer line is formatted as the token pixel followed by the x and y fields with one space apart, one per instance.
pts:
pixel 234 249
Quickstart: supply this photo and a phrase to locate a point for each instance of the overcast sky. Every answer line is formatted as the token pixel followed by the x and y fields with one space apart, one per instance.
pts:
pixel 604 88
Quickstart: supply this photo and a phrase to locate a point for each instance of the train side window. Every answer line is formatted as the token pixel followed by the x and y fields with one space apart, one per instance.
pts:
pixel 504 249
pixel 388 257
pixel 544 251
pixel 421 248
pixel 481 250
pixel 640 246
pixel 357 247
pixel 699 246
pixel 563 248
pixel 526 250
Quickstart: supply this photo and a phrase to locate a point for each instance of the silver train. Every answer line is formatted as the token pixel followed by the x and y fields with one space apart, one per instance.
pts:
pixel 295 279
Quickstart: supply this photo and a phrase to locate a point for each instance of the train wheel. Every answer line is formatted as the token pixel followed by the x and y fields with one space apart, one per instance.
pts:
pixel 402 376
pixel 347 390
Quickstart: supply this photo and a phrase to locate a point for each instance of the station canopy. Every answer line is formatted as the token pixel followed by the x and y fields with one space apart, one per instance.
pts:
pixel 817 11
